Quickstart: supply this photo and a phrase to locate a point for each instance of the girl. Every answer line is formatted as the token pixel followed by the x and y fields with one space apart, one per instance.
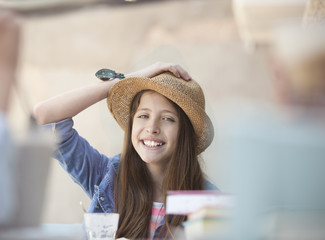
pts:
pixel 162 113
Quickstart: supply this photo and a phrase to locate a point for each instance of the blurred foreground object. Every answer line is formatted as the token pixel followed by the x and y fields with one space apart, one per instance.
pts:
pixel 299 64
pixel 9 35
pixel 208 212
pixel 208 222
pixel 276 151
pixel 29 5
pixel 185 202
pixel 33 151
pixel 256 19
pixel 314 13
pixel 24 161
pixel 46 232
pixel 40 5
pixel 276 173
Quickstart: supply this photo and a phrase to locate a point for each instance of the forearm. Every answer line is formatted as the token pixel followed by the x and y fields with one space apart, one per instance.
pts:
pixel 160 67
pixel 69 104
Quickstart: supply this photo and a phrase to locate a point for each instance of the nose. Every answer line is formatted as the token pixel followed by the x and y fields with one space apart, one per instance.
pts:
pixel 153 126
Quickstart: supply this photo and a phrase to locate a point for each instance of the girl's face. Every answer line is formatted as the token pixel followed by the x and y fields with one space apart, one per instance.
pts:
pixel 155 129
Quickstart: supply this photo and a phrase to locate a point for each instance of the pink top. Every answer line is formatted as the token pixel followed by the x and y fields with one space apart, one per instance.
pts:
pixel 158 213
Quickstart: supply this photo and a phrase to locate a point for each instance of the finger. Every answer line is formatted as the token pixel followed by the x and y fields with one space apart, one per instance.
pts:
pixel 182 72
pixel 174 70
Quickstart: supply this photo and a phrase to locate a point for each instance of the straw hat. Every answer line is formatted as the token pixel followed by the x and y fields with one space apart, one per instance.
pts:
pixel 186 94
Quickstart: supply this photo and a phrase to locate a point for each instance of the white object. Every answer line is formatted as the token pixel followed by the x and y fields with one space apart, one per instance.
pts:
pixel 101 225
pixel 185 202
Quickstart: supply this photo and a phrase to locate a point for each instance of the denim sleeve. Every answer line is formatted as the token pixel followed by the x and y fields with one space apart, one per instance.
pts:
pixel 85 164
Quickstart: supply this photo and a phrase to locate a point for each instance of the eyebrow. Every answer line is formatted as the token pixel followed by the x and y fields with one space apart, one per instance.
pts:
pixel 164 111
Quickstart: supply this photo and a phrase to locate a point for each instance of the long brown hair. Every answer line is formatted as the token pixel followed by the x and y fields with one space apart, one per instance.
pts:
pixel 134 187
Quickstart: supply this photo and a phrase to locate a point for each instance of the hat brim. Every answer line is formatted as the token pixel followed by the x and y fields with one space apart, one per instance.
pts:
pixel 122 93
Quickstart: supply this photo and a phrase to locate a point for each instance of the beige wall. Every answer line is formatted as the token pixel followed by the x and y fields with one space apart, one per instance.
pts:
pixel 62 51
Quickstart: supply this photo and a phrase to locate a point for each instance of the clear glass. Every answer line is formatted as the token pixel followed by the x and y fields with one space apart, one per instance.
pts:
pixel 101 225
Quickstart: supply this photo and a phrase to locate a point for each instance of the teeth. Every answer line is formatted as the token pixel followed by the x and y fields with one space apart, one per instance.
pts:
pixel 151 143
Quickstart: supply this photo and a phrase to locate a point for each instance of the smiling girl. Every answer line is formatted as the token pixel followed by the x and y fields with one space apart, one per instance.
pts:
pixel 162 111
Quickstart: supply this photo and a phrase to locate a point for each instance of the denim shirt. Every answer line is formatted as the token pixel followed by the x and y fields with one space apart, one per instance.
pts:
pixel 93 171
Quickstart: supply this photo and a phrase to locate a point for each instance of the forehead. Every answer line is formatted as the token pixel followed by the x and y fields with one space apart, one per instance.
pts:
pixel 151 99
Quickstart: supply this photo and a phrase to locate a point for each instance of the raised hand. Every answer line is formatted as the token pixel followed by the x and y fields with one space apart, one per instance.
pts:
pixel 161 67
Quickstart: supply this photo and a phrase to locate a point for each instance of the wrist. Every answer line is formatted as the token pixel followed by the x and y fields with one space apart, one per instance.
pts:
pixel 105 86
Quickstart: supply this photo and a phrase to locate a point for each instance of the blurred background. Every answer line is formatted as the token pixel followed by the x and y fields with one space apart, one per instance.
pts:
pixel 65 42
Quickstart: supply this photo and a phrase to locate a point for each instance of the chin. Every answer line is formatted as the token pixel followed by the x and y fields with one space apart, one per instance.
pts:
pixel 149 160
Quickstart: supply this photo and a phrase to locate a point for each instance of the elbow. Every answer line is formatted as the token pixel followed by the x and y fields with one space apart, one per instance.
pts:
pixel 39 113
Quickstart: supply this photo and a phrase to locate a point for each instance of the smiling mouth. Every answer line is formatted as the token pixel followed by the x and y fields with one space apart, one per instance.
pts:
pixel 150 143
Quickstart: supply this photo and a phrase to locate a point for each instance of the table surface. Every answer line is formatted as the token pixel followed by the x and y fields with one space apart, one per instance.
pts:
pixel 45 232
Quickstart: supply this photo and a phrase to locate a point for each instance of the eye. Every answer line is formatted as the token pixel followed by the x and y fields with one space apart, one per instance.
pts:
pixel 168 119
pixel 143 116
